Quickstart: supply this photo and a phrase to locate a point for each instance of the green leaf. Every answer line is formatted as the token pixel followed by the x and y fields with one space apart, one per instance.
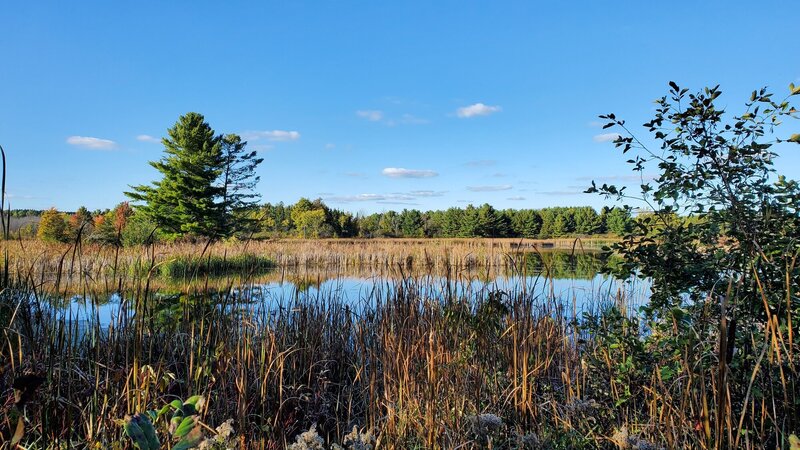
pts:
pixel 795 138
pixel 149 432
pixel 190 441
pixel 795 90
pixel 134 431
pixel 193 400
pixel 185 427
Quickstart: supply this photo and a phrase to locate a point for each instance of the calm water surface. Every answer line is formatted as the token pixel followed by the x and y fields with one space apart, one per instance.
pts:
pixel 571 280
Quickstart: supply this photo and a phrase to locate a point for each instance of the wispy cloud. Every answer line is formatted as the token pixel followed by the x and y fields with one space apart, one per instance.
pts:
pixel 13 196
pixel 372 115
pixel 271 135
pixel 490 188
pixel 92 143
pixel 481 163
pixel 427 193
pixel 379 116
pixel 399 172
pixel 356 174
pixel 516 199
pixel 393 202
pixel 330 146
pixel 477 109
pixel 368 198
pixel 606 137
pixel 148 138
pixel 394 197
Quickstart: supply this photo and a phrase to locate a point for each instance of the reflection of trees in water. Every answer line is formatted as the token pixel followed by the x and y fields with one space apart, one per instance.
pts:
pixel 166 311
pixel 561 265
pixel 167 293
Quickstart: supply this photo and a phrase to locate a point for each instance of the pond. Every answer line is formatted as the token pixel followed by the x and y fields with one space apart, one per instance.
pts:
pixel 572 280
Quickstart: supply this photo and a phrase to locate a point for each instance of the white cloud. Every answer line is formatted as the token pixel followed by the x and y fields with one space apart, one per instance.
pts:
pixel 369 198
pixel 490 188
pixel 271 135
pixel 147 138
pixel 330 146
pixel 13 196
pixel 393 198
pixel 399 172
pixel 516 199
pixel 477 109
pixel 371 115
pixel 427 193
pixel 606 137
pixel 92 143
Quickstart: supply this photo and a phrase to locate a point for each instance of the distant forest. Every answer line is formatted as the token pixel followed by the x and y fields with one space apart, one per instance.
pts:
pixel 314 219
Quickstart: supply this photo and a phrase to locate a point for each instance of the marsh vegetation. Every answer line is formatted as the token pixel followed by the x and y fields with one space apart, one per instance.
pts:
pixel 445 344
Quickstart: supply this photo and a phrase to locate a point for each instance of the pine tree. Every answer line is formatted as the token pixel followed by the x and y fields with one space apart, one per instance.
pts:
pixel 239 180
pixel 188 198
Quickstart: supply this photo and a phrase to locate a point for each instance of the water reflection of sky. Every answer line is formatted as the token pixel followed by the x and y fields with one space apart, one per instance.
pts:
pixel 576 294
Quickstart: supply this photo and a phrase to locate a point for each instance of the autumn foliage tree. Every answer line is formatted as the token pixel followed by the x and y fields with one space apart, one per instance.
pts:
pixel 52 226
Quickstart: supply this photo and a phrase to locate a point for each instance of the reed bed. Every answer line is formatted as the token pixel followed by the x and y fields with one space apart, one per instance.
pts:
pixel 423 360
pixel 35 261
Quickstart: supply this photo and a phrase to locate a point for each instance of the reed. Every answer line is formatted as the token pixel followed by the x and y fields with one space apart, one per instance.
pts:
pixel 425 359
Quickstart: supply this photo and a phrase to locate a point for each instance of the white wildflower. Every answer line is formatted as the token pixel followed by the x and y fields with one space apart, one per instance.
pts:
pixel 308 440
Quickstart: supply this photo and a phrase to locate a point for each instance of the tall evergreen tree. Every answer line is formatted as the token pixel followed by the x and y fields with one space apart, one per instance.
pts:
pixel 238 182
pixel 187 198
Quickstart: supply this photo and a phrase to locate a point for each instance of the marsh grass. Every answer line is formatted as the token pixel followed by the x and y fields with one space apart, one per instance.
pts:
pixel 186 267
pixel 415 358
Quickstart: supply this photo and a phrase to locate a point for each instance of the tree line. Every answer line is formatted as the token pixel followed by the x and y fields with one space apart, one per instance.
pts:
pixel 126 226
pixel 312 219
pixel 207 190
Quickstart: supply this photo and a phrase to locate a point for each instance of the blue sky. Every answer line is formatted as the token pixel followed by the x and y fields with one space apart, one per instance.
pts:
pixel 370 105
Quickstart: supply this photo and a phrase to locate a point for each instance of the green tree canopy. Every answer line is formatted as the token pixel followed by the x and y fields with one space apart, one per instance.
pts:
pixel 205 180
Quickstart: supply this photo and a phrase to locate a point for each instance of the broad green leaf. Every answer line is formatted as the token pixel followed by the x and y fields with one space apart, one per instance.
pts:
pixel 193 400
pixel 190 441
pixel 149 431
pixel 795 138
pixel 133 431
pixel 185 427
